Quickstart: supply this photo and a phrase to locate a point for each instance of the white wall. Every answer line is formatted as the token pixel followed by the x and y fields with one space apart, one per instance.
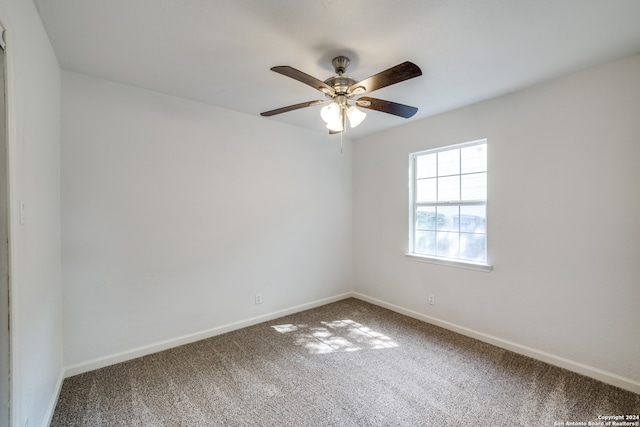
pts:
pixel 176 213
pixel 563 218
pixel 34 128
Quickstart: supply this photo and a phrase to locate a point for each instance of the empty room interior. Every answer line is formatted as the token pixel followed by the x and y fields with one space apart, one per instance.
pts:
pixel 195 194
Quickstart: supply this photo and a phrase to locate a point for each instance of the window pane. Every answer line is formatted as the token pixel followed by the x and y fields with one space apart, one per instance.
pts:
pixel 447 216
pixel 449 188
pixel 426 218
pixel 473 219
pixel 449 193
pixel 473 246
pixel 449 162
pixel 426 166
pixel 425 242
pixel 474 158
pixel 474 186
pixel 426 190
pixel 447 244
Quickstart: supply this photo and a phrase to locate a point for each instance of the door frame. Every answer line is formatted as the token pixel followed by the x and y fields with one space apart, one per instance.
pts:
pixel 13 217
pixel 5 294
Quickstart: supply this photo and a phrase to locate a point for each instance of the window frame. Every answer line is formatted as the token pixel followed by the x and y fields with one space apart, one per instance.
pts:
pixel 413 205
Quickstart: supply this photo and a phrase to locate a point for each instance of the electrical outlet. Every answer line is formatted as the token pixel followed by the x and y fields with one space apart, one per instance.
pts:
pixel 432 299
pixel 258 298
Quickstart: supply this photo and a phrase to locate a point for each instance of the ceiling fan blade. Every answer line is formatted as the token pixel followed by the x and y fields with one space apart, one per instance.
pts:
pixel 399 73
pixel 292 107
pixel 389 107
pixel 285 70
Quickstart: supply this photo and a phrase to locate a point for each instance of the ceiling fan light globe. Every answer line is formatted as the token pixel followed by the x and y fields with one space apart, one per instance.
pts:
pixel 355 116
pixel 335 125
pixel 330 113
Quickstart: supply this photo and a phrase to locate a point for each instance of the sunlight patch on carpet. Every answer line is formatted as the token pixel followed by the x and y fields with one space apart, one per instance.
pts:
pixel 336 336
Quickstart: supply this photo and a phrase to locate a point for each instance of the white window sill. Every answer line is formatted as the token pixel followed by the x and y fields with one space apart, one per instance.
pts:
pixel 450 262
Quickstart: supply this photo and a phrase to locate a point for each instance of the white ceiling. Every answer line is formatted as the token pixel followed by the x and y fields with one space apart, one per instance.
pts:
pixel 219 51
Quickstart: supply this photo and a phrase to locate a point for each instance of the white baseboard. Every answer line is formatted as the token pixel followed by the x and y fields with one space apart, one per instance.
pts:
pixel 112 359
pixel 51 408
pixel 577 367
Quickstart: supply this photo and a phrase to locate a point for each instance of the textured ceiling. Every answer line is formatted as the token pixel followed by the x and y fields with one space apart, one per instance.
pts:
pixel 219 51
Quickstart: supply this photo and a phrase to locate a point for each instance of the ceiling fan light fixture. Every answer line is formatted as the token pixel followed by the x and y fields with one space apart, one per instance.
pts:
pixel 355 116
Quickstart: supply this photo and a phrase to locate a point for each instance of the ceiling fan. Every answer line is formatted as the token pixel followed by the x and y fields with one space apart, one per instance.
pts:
pixel 341 91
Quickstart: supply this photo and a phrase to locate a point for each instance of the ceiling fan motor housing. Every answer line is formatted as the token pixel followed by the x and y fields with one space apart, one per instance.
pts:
pixel 340 83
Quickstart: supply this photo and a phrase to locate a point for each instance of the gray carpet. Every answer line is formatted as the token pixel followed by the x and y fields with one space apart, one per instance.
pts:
pixel 348 363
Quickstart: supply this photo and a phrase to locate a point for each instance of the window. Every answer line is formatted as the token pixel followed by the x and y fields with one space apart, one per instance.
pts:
pixel 448 205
